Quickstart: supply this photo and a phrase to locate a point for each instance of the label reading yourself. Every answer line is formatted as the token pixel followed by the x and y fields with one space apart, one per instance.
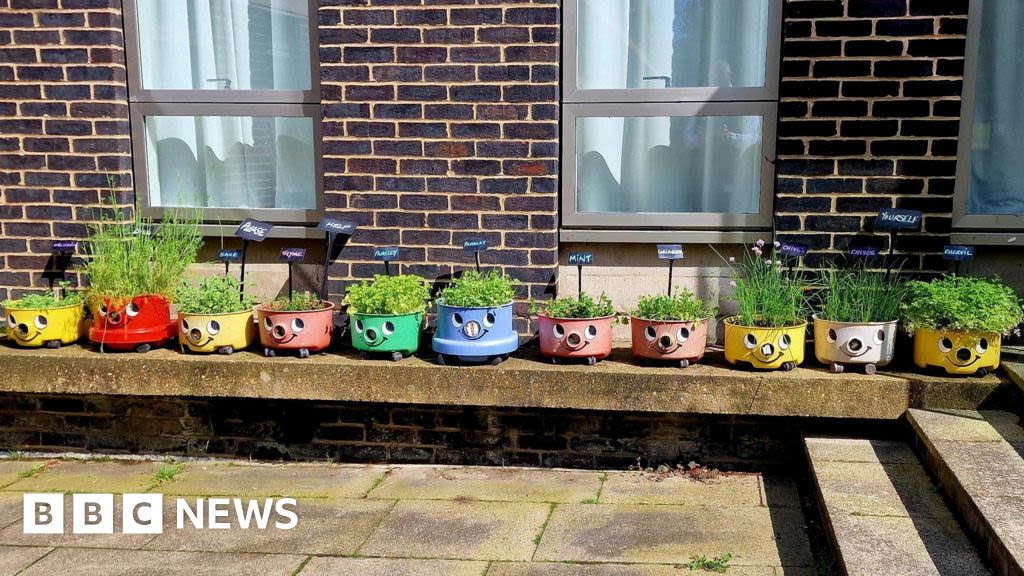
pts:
pixel 293 254
pixel 385 253
pixel 958 253
pixel 670 251
pixel 898 219
pixel 581 258
pixel 864 251
pixel 475 245
pixel 794 249
pixel 253 230
pixel 65 245
pixel 229 255
pixel 332 226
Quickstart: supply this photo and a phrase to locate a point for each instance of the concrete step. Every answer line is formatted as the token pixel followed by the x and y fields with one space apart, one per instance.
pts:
pixel 883 513
pixel 978 458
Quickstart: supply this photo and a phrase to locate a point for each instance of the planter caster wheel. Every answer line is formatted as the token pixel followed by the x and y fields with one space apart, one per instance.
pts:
pixel 834 368
pixel 396 356
pixel 981 373
pixel 364 354
pixel 143 348
pixel 441 360
pixel 53 344
pixel 788 366
pixel 269 352
pixel 870 369
pixel 497 360
pixel 684 363
pixel 303 352
pixel 226 350
pixel 554 359
pixel 591 360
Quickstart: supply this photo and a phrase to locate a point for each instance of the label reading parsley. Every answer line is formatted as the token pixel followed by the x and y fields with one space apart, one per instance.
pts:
pixel 385 253
pixel 475 245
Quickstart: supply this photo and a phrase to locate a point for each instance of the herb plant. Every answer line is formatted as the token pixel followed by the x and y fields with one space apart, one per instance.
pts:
pixel 402 294
pixel 718 564
pixel 683 306
pixel 861 296
pixel 213 295
pixel 58 298
pixel 767 296
pixel 962 303
pixel 585 306
pixel 476 290
pixel 301 302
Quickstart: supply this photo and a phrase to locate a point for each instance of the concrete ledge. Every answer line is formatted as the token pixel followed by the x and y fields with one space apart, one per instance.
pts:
pixel 614 384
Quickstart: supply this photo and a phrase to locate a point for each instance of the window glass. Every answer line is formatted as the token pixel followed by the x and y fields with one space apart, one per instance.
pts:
pixel 996 184
pixel 217 44
pixel 671 43
pixel 231 161
pixel 668 164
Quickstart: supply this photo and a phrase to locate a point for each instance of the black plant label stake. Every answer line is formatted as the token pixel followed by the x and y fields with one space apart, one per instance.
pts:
pixel 250 230
pixel 793 251
pixel 476 246
pixel 60 259
pixel 894 220
pixel 957 254
pixel 579 260
pixel 334 231
pixel 291 256
pixel 670 252
pixel 386 254
pixel 227 256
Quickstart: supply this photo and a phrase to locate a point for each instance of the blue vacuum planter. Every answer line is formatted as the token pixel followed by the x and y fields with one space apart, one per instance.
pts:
pixel 474 334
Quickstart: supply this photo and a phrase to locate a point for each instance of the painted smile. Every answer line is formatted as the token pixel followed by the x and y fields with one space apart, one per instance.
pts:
pixel 208 340
pixel 20 338
pixel 478 336
pixel 374 344
pixel 763 360
pixel 846 351
pixel 959 365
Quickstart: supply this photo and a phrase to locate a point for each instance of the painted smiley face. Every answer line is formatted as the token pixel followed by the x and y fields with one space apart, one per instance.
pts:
pixel 574 339
pixel 283 332
pixel 25 327
pixel 473 324
pixel 116 316
pixel 855 342
pixel 199 335
pixel 666 339
pixel 963 351
pixel 767 352
pixel 374 331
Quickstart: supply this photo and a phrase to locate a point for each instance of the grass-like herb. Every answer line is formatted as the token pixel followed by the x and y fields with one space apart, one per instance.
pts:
pixel 57 298
pixel 584 306
pixel 718 564
pixel 402 294
pixel 213 295
pixel 861 295
pixel 962 303
pixel 682 306
pixel 476 290
pixel 766 294
pixel 300 302
pixel 167 473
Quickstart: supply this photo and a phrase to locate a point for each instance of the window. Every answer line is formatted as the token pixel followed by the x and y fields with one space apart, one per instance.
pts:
pixel 990 176
pixel 669 120
pixel 225 107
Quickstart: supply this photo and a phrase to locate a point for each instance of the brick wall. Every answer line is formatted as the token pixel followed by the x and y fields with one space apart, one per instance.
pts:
pixel 869 114
pixel 63 126
pixel 441 124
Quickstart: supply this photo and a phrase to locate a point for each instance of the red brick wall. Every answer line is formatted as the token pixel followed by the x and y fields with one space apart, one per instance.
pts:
pixel 63 126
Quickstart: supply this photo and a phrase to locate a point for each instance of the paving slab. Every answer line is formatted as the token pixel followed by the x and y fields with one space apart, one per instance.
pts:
pixel 11 470
pixel 101 477
pixel 652 488
pixel 955 426
pixel 1008 424
pixel 14 534
pixel 459 530
pixel 857 450
pixel 136 562
pixel 674 534
pixel 15 558
pixel 778 491
pixel 10 508
pixel 866 489
pixel 275 480
pixel 325 526
pixel 488 484
pixel 323 566
pixel 566 569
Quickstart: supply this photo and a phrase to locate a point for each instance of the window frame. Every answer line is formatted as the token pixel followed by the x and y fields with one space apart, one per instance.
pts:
pixel 143 102
pixel 693 101
pixel 980 228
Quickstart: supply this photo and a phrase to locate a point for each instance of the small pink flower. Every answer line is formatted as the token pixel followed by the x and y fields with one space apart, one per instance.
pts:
pixel 777 243
pixel 778 262
pixel 768 261
pixel 759 243
pixel 732 283
pixel 757 251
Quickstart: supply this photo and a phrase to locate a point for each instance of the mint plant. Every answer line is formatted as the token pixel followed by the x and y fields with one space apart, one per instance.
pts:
pixel 584 306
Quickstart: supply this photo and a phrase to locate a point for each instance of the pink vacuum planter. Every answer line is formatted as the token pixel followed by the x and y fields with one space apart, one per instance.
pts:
pixel 584 338
pixel 682 343
pixel 304 333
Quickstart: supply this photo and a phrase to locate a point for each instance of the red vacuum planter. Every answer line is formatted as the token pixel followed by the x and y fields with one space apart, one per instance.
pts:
pixel 587 338
pixel 670 341
pixel 306 332
pixel 137 324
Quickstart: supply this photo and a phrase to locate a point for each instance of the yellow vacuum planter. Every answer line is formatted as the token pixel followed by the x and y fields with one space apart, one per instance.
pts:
pixel 35 327
pixel 223 333
pixel 765 348
pixel 957 352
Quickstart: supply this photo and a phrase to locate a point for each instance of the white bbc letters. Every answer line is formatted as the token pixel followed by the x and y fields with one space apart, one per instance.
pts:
pixel 142 513
pixel 92 513
pixel 42 514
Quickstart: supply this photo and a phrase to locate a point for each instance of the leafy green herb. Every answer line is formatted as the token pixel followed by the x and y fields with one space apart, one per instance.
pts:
pixel 58 298
pixel 767 296
pixel 861 295
pixel 682 306
pixel 583 307
pixel 718 564
pixel 962 303
pixel 403 294
pixel 476 290
pixel 302 302
pixel 213 295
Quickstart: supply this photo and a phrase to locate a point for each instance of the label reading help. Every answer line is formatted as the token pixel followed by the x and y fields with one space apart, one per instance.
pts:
pixel 253 230
pixel 670 251
pixel 581 258
pixel 333 226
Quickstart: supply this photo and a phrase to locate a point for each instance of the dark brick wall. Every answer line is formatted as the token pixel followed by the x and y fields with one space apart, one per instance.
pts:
pixel 869 114
pixel 63 126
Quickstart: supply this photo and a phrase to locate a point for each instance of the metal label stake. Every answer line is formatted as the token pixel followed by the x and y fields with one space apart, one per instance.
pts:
pixel 476 246
pixel 793 251
pixel 227 256
pixel 61 259
pixel 670 252
pixel 580 259
pixel 250 230
pixel 894 220
pixel 291 256
pixel 386 254
pixel 957 254
pixel 333 229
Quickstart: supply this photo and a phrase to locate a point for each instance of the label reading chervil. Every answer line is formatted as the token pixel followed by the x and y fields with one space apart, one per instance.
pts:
pixel 385 253
pixel 229 255
pixel 332 226
pixel 863 251
pixel 65 246
pixel 958 253
pixel 475 245
pixel 581 258
pixel 670 251
pixel 793 249
pixel 898 219
pixel 253 230
pixel 293 254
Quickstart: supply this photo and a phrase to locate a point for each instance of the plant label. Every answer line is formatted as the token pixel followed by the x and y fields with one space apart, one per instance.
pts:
pixel 385 253
pixel 864 251
pixel 293 254
pixel 581 258
pixel 332 226
pixel 958 253
pixel 65 246
pixel 670 251
pixel 796 249
pixel 253 230
pixel 142 231
pixel 229 255
pixel 898 219
pixel 475 245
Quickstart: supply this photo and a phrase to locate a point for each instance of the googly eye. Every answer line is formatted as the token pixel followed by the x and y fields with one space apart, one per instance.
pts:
pixel 184 326
pixel 213 327
pixel 683 334
pixel 103 309
pixel 750 341
pixel 831 335
pixel 879 336
pixel 10 320
pixel 945 345
pixel 489 319
pixel 591 332
pixel 982 346
pixel 359 326
pixel 267 324
pixel 298 325
pixel 784 342
pixel 388 328
pixel 558 331
pixel 40 322
pixel 457 320
pixel 650 333
pixel 132 310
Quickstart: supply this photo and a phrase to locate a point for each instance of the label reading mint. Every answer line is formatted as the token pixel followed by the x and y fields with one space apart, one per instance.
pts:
pixel 581 258
pixel 958 253
pixel 794 249
pixel 863 251
pixel 898 219
pixel 229 255
pixel 670 251
pixel 293 254
pixel 65 246
pixel 253 230
pixel 385 253
pixel 475 245
pixel 332 226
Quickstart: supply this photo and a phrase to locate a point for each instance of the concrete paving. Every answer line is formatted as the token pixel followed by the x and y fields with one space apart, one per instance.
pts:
pixel 417 520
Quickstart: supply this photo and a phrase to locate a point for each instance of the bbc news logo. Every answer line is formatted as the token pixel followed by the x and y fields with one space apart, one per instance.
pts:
pixel 144 513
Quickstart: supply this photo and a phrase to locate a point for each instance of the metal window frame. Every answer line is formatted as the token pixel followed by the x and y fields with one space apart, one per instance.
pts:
pixel 140 111
pixel 981 228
